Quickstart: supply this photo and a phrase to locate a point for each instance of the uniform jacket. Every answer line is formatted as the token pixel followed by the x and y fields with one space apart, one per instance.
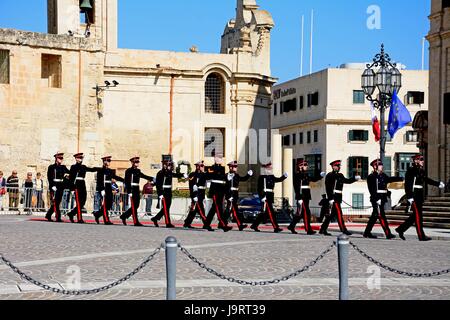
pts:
pixel 301 185
pixel 232 186
pixel 78 170
pixel 133 177
pixel 197 179
pixel 416 176
pixel 164 181
pixel 216 173
pixel 335 181
pixel 268 182
pixel 377 184
pixel 106 174
pixel 56 172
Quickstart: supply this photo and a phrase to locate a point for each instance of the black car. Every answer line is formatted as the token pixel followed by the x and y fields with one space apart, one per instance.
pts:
pixel 251 207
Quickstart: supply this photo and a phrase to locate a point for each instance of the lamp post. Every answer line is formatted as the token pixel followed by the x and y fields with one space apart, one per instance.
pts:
pixel 383 75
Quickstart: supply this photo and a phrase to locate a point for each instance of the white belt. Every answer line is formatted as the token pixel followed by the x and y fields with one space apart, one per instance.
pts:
pixel 268 190
pixel 167 187
pixel 218 181
pixel 57 180
pixel 234 189
pixel 107 181
pixel 418 187
pixel 305 187
pixel 338 191
pixel 201 188
pixel 79 179
pixel 135 184
pixel 382 191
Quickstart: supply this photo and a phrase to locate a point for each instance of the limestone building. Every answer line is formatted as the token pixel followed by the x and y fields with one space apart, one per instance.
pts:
pixel 325 117
pixel 438 119
pixel 53 95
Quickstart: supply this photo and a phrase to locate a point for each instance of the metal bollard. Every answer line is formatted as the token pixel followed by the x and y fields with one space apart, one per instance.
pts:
pixel 343 244
pixel 171 267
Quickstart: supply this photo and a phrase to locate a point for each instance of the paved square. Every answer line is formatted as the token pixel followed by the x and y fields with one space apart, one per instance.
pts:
pixel 49 252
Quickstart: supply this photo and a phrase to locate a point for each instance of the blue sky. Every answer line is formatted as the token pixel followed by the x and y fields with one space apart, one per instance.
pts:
pixel 341 34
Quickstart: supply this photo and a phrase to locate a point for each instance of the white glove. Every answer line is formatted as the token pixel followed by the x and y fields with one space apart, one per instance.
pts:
pixel 411 201
pixel 185 176
pixel 231 199
pixel 54 189
pixel 161 197
pixel 300 203
pixel 358 178
pixel 442 185
pixel 264 199
pixel 230 176
pixel 72 192
pixel 285 175
pixel 195 199
pixel 130 195
pixel 103 193
pixel 331 202
pixel 379 202
pixel 195 188
pixel 250 173
pixel 323 174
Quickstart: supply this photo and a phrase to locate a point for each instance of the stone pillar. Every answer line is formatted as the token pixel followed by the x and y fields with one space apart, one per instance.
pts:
pixel 287 167
pixel 63 15
pixel 277 162
pixel 110 26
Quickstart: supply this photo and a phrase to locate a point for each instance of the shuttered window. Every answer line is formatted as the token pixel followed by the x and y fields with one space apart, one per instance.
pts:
pixel 4 66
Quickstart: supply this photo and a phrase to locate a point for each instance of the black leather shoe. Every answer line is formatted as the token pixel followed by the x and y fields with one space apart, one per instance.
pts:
pixel 277 230
pixel 208 229
pixel 124 220
pixel 311 233
pixel 391 236
pixel 242 227
pixel 59 221
pixel 400 234
pixel 188 226
pixel 425 239
pixel 109 223
pixel 49 219
pixel 347 233
pixel 138 224
pixel 370 236
pixel 155 222
pixel 255 228
pixel 71 217
pixel 325 233
pixel 81 222
pixel 226 228
pixel 292 229
pixel 170 226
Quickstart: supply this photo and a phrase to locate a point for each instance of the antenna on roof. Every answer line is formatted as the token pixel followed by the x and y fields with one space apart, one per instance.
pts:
pixel 302 46
pixel 311 43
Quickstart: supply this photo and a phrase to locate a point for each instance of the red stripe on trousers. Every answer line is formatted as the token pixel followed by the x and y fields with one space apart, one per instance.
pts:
pixel 54 206
pixel 218 213
pixel 305 217
pixel 418 226
pixel 270 216
pixel 383 223
pixel 202 215
pixel 166 215
pixel 235 215
pixel 133 210
pixel 78 205
pixel 340 218
pixel 105 215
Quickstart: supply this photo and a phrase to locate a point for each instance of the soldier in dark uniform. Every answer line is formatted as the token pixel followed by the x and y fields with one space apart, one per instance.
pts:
pixel 104 186
pixel 266 184
pixel 334 183
pixel 415 181
pixel 197 189
pixel 232 194
pixel 133 176
pixel 216 174
pixel 78 186
pixel 55 176
pixel 377 183
pixel 164 189
pixel 303 196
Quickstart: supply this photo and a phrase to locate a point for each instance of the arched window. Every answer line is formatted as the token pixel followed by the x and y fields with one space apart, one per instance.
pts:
pixel 214 94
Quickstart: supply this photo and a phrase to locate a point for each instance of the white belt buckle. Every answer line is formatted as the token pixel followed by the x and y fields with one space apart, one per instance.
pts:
pixel 202 188
pixel 167 187
pixel 234 189
pixel 268 190
pixel 80 179
pixel 382 191
pixel 418 187
pixel 338 191
pixel 135 184
pixel 305 187
pixel 107 181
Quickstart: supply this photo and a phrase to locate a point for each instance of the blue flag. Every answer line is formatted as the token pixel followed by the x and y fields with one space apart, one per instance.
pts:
pixel 399 116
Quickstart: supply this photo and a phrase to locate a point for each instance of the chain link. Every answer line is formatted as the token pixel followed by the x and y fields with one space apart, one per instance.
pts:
pixel 400 272
pixel 257 283
pixel 80 292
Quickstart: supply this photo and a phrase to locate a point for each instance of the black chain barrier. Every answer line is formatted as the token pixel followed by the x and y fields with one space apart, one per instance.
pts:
pixel 400 272
pixel 80 292
pixel 257 283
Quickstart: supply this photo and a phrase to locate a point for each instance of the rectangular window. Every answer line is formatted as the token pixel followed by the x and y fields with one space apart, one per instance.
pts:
pixel 301 138
pixel 315 164
pixel 403 162
pixel 275 107
pixel 90 17
pixel 411 136
pixel 358 135
pixel 214 142
pixel 415 97
pixel 287 140
pixel 316 136
pixel 445 4
pixel 281 107
pixel 358 200
pixel 51 70
pixel 302 102
pixel 290 105
pixel 358 166
pixel 388 165
pixel 308 137
pixel 294 139
pixel 4 66
pixel 313 99
pixel 358 97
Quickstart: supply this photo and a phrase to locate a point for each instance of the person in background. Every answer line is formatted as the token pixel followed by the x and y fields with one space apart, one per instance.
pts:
pixel 27 186
pixel 13 191
pixel 147 193
pixel 38 192
pixel 324 207
pixel 2 189
pixel 116 196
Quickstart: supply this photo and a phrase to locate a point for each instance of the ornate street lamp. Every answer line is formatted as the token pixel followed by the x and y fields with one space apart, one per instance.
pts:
pixel 383 75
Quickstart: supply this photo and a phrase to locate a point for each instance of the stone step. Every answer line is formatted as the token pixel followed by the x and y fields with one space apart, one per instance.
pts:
pixel 436 209
pixel 425 218
pixel 426 213
pixel 396 221
pixel 439 199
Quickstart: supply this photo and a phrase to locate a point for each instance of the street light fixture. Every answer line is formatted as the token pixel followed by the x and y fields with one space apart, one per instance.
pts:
pixel 383 75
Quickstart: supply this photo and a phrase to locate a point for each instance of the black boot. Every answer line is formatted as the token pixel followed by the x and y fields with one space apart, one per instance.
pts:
pixel 242 227
pixel 155 222
pixel 425 238
pixel 369 235
pixel 292 229
pixel 324 232
pixel 255 228
pixel 277 230
pixel 208 228
pixel 71 215
pixel 347 233
pixel 400 234
pixel 124 220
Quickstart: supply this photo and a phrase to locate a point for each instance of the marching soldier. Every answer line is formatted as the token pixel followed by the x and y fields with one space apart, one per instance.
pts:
pixel 377 182
pixel 164 189
pixel 133 176
pixel 303 197
pixel 55 176
pixel 266 184
pixel 78 186
pixel 197 189
pixel 415 181
pixel 216 174
pixel 334 183
pixel 232 193
pixel 104 186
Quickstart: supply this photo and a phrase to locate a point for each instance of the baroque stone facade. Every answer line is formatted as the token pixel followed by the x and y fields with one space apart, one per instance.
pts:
pixel 162 105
